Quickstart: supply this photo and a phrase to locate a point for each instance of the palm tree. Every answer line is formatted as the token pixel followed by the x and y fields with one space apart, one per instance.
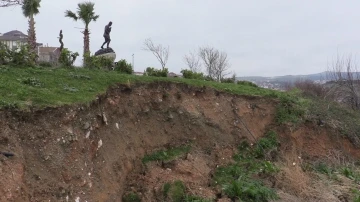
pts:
pixel 85 13
pixel 30 8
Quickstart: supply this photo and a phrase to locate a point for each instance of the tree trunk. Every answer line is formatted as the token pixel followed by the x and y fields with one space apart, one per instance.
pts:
pixel 32 35
pixel 86 44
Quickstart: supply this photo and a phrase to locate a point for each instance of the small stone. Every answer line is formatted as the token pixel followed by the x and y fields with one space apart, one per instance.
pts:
pixel 86 126
pixel 87 134
pixel 104 119
pixel 99 144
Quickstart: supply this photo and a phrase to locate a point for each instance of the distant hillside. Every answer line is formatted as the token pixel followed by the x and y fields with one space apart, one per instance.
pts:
pixel 278 82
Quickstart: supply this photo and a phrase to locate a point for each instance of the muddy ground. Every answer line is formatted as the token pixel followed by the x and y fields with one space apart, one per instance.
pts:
pixel 93 152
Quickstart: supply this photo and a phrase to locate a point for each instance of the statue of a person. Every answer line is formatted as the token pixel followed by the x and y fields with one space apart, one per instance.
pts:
pixel 107 35
pixel 60 40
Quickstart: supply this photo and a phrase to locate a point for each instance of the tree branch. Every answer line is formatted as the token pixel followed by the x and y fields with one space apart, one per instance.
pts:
pixel 8 3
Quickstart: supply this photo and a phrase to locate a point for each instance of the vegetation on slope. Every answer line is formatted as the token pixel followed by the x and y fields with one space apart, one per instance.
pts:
pixel 42 87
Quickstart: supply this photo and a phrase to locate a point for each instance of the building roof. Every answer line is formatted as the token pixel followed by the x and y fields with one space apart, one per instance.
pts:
pixel 47 49
pixel 14 35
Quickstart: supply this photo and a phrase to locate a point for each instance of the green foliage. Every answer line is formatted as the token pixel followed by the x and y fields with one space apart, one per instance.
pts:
pixel 323 168
pixel 131 197
pixel 9 105
pixel 176 192
pixel 249 190
pixel 356 195
pixel 45 64
pixel 267 143
pixel 5 56
pixel 32 82
pixel 67 58
pixel 21 56
pixel 166 155
pixel 53 94
pixel 85 13
pixel 228 80
pixel 240 180
pixel 150 71
pixel 79 76
pixel 123 67
pixel 291 109
pixel 166 189
pixel 188 74
pixel 247 83
pixel 97 62
pixel 30 7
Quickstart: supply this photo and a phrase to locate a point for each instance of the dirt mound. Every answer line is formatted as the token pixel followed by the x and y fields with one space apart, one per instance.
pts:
pixel 93 152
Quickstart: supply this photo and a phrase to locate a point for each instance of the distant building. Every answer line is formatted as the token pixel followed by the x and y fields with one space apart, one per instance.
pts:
pixel 48 54
pixel 138 73
pixel 172 74
pixel 15 39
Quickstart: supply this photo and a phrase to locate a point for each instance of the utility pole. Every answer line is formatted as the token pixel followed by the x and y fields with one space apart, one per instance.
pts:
pixel 133 61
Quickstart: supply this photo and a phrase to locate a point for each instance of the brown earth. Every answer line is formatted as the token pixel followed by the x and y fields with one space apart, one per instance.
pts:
pixel 93 152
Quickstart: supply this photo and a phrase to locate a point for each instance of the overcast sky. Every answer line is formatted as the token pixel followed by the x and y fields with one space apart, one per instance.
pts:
pixel 261 37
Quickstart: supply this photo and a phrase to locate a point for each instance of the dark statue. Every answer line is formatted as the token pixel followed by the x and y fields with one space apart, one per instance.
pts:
pixel 60 40
pixel 107 35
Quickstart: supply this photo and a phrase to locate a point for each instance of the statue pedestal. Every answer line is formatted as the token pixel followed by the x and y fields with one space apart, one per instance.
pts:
pixel 106 52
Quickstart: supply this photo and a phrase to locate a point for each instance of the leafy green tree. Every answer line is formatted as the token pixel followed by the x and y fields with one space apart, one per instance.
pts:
pixel 85 13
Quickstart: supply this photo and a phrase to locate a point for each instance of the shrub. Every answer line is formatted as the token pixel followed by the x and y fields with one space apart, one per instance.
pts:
pixel 45 64
pixel 246 83
pixel 150 71
pixel 166 155
pixel 310 88
pixel 97 62
pixel 4 54
pixel 249 190
pixel 20 56
pixel 240 180
pixel 228 80
pixel 131 197
pixel 123 67
pixel 188 74
pixel 67 58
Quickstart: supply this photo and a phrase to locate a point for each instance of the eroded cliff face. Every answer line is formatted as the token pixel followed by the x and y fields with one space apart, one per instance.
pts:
pixel 94 152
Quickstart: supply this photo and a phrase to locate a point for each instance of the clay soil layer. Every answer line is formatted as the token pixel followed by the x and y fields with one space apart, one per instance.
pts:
pixel 93 152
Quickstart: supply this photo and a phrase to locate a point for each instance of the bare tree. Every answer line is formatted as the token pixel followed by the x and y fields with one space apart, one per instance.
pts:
pixel 216 62
pixel 193 62
pixel 7 3
pixel 345 80
pixel 161 53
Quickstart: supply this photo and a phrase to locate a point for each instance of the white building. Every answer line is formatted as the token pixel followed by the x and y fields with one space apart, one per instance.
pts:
pixel 13 39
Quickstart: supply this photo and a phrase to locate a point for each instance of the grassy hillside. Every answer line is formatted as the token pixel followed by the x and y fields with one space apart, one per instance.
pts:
pixel 40 87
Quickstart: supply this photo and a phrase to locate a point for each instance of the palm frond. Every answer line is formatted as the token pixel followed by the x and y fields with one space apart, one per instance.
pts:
pixel 71 14
pixel 95 17
pixel 30 7
pixel 86 12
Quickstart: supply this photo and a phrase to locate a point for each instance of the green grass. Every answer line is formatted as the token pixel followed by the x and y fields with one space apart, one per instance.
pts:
pixel 166 155
pixel 45 87
pixel 242 179
pixel 131 197
pixel 176 192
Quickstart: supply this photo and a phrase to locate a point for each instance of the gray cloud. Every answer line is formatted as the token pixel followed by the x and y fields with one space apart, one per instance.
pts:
pixel 261 37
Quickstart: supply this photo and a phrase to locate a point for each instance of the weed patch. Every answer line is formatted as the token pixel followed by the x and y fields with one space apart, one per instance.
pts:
pixel 240 180
pixel 291 109
pixel 131 197
pixel 176 192
pixel 166 155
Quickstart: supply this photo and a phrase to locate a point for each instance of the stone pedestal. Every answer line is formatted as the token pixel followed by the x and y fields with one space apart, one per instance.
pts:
pixel 106 52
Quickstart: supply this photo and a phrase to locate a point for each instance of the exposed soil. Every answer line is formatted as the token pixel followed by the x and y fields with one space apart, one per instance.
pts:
pixel 93 152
